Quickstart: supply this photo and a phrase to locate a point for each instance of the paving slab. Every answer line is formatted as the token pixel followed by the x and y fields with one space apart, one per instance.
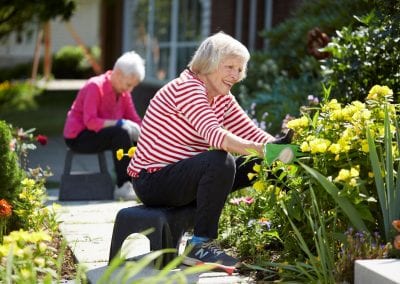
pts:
pixel 374 271
pixel 87 227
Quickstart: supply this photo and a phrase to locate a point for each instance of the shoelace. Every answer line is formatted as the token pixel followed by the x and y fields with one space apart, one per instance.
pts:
pixel 212 246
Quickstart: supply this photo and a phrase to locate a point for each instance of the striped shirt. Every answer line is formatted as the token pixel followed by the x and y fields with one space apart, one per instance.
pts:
pixel 180 123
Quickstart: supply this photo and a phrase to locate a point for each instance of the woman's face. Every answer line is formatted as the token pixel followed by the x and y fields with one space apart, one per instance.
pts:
pixel 124 83
pixel 229 72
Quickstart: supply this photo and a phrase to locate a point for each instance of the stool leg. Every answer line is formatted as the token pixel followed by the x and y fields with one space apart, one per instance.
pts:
pixel 102 162
pixel 68 162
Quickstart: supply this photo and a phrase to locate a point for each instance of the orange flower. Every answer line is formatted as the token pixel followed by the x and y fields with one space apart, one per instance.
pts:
pixel 5 208
pixel 396 225
pixel 396 242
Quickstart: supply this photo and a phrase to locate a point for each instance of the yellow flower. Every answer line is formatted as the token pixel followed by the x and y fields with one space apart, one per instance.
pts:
pixel 354 171
pixel 120 154
pixel 131 152
pixel 353 182
pixel 251 175
pixel 332 105
pixel 258 185
pixel 304 147
pixel 343 175
pixel 319 145
pixel 337 114
pixel 334 148
pixel 257 168
pixel 28 182
pixel 364 146
pixel 298 123
pixel 377 93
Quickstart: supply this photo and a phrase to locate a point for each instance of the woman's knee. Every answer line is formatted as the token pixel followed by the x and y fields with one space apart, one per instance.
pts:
pixel 222 162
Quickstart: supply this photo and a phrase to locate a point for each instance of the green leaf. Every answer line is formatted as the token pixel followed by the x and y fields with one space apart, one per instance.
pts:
pixel 349 210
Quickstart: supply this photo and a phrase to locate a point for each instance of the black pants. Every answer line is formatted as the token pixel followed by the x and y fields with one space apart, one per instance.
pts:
pixel 109 138
pixel 206 179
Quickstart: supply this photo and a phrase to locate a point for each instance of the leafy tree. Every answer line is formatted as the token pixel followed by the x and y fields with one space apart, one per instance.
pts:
pixel 16 15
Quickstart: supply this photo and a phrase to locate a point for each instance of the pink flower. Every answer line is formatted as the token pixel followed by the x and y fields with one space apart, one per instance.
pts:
pixel 248 200
pixel 235 201
pixel 238 200
pixel 41 139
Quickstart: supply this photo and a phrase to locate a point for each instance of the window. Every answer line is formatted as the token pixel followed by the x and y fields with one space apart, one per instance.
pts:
pixel 165 33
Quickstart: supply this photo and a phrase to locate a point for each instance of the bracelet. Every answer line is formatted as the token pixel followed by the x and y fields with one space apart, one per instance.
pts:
pixel 119 122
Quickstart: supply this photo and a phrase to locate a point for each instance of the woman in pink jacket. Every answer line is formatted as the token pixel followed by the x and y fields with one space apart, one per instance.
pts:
pixel 103 116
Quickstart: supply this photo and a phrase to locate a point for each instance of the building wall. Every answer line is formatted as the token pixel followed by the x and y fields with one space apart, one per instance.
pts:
pixel 85 21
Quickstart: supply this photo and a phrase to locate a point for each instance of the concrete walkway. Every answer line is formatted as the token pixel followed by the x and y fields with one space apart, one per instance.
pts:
pixel 87 225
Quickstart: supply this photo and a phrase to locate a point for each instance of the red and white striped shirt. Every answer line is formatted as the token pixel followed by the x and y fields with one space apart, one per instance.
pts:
pixel 180 123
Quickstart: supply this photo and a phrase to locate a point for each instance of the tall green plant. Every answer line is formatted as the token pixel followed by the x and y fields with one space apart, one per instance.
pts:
pixel 386 173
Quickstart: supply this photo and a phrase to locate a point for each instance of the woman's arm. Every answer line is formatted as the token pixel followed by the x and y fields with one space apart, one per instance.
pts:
pixel 235 144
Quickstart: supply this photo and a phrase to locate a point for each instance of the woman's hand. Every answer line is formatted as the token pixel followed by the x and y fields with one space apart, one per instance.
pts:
pixel 237 145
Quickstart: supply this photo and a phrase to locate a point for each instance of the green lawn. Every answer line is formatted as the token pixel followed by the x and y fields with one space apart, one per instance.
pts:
pixel 49 116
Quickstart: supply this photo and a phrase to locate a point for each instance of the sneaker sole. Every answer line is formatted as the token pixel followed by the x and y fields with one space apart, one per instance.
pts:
pixel 216 266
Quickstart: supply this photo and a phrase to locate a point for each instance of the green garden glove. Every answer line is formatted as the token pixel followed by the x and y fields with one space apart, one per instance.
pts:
pixel 286 153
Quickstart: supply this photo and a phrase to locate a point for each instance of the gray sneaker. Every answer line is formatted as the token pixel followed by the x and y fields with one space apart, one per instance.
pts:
pixel 209 253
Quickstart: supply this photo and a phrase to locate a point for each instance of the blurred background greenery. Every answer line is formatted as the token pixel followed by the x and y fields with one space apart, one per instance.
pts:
pixel 48 119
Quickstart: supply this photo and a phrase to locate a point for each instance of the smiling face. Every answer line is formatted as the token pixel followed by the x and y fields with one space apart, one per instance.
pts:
pixel 228 73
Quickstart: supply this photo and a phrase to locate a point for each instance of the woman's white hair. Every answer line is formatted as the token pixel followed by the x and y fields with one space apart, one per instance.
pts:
pixel 216 48
pixel 130 63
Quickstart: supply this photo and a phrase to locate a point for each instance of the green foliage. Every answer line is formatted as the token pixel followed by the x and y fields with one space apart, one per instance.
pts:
pixel 358 245
pixel 28 257
pixel 10 172
pixel 114 274
pixel 247 225
pixel 313 202
pixel 280 79
pixel 70 62
pixel 15 96
pixel 288 41
pixel 18 15
pixel 20 71
pixel 386 171
pixel 364 56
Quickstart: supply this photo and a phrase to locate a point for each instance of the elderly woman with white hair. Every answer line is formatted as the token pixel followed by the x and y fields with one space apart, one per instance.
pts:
pixel 103 116
pixel 193 141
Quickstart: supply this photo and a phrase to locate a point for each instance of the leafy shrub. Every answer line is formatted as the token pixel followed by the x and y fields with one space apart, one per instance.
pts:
pixel 18 96
pixel 313 208
pixel 10 172
pixel 363 57
pixel 281 78
pixel 70 63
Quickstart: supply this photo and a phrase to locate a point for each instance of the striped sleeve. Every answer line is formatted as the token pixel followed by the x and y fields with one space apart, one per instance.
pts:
pixel 238 122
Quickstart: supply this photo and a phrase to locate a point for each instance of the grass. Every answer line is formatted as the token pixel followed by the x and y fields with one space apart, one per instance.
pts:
pixel 48 117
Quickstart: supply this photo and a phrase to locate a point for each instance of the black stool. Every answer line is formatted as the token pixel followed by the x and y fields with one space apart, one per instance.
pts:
pixel 169 225
pixel 86 185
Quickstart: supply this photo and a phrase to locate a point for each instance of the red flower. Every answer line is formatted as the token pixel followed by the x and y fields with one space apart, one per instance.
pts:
pixel 5 208
pixel 41 139
pixel 396 225
pixel 396 242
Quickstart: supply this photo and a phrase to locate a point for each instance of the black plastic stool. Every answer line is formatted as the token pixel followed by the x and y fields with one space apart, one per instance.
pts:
pixel 86 185
pixel 169 225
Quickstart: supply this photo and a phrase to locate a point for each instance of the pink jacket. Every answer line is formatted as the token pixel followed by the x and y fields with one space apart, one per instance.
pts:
pixel 96 102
